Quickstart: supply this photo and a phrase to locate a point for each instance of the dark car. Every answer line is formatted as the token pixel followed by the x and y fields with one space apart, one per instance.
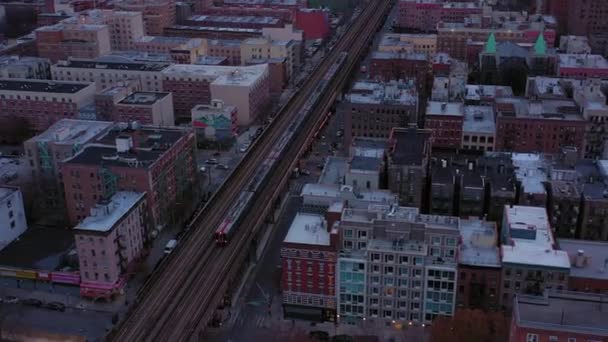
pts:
pixel 221 167
pixel 10 300
pixel 57 306
pixel 217 154
pixel 319 335
pixel 32 302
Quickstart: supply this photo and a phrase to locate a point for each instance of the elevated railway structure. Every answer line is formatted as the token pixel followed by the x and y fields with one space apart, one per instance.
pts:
pixel 179 299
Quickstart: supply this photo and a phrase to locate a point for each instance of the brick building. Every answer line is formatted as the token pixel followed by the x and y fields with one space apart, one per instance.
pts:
pixel 63 40
pixel 479 266
pixel 569 316
pixel 409 155
pixel 479 128
pixel 247 88
pixel 583 18
pixel 41 103
pixel 148 108
pixel 157 14
pixel 308 258
pixel 147 76
pixel 388 66
pixel 47 150
pixel 160 162
pixel 564 207
pixel 124 28
pixel 109 241
pixel 372 109
pixel 424 15
pixel 210 32
pixel 588 265
pixel 538 125
pixel 313 22
pixel 582 66
pixel 445 120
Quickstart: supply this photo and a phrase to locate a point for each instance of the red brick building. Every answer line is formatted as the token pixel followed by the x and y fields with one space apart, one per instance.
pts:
pixel 538 126
pixel 308 258
pixel 157 14
pixel 41 102
pixel 314 22
pixel 445 120
pixel 158 161
pixel 148 108
pixel 388 66
pixel 479 266
pixel 587 259
pixel 582 66
pixel 425 15
pixel 567 316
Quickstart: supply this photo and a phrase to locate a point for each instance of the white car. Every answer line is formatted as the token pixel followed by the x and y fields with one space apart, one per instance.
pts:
pixel 244 148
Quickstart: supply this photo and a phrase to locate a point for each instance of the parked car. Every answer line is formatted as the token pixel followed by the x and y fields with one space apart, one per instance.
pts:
pixel 244 148
pixel 203 169
pixel 11 300
pixel 340 133
pixel 221 167
pixel 170 246
pixel 32 302
pixel 211 161
pixel 57 306
pixel 305 172
pixel 217 154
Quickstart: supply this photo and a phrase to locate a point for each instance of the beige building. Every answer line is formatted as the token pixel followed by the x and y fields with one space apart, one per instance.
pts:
pixel 409 43
pixel 478 128
pixel 283 33
pixel 264 48
pixel 108 74
pixel 124 27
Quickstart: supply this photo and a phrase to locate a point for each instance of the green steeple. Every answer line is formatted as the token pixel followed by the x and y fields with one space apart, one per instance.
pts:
pixel 540 47
pixel 491 43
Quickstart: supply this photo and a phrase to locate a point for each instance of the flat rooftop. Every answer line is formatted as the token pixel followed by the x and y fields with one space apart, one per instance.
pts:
pixel 479 119
pixel 445 108
pixel 219 74
pixel 547 109
pixel 368 147
pixel 149 144
pixel 570 312
pixel 211 60
pixel 418 56
pixel 593 257
pixel 143 98
pixel 308 229
pixel 94 64
pixel 234 19
pixel 334 170
pixel 390 93
pixel 214 29
pixel 41 86
pixel 479 244
pixel 582 61
pixel 6 191
pixel 479 92
pixel 105 216
pixel 360 163
pixel 410 146
pixel 532 170
pixel 71 131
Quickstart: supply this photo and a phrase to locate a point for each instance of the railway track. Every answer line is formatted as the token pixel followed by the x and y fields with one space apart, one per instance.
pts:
pixel 183 292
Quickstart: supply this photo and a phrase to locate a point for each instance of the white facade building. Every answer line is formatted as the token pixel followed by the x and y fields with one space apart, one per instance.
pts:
pixel 12 215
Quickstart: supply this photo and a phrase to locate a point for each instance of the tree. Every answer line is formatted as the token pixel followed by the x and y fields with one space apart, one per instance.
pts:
pixel 470 326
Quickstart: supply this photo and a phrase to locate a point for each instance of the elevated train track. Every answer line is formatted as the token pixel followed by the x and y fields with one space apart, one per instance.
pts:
pixel 179 299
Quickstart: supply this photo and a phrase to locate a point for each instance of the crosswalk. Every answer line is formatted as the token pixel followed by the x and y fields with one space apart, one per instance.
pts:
pixel 296 188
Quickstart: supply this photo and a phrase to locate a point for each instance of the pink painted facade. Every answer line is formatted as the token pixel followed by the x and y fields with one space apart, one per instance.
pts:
pixel 109 241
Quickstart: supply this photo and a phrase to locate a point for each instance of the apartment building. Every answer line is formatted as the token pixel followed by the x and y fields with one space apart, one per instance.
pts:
pixel 372 109
pixel 41 103
pixel 47 150
pixel 13 221
pixel 25 67
pixel 64 40
pixel 265 48
pixel 424 15
pixel 124 27
pixel 411 262
pixel 157 14
pixel 531 262
pixel 479 128
pixel 445 120
pixel 158 161
pixel 308 258
pixel 109 241
pixel 215 122
pixel 408 43
pixel 109 74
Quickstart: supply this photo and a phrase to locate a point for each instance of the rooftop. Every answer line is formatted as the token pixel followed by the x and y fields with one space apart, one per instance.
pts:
pixel 588 259
pixel 394 92
pixel 538 109
pixel 149 145
pixel 233 19
pixel 399 55
pixel 45 86
pixel 94 64
pixel 308 229
pixel 368 147
pixel 479 119
pixel 218 74
pixel 105 216
pixel 529 240
pixel 365 163
pixel 570 312
pixel 445 108
pixel 72 132
pixel 410 146
pixel 532 170
pixel 582 61
pixel 479 92
pixel 334 170
pixel 479 244
pixel 143 98
pixel 211 60
pixel 214 29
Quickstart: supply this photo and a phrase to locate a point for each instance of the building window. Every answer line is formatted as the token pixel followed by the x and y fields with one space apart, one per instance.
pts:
pixel 532 338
